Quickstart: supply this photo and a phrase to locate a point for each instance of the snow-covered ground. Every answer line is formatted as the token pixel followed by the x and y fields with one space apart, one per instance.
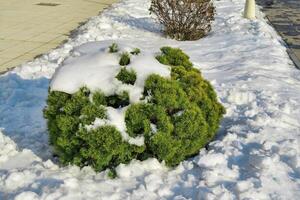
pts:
pixel 257 151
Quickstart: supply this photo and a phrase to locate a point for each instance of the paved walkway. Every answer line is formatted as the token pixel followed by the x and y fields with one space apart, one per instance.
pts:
pixel 32 27
pixel 285 17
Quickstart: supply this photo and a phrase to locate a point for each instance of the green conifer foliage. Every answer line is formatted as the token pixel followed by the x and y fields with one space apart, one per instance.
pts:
pixel 178 117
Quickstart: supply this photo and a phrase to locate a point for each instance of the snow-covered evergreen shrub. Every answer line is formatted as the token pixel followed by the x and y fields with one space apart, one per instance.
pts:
pixel 176 117
pixel 184 19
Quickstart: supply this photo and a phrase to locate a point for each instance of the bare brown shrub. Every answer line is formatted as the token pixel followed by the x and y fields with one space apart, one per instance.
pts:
pixel 184 19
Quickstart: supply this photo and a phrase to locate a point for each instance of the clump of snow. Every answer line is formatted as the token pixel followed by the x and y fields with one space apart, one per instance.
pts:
pixel 9 150
pixel 138 168
pixel 257 148
pixel 27 196
pixel 153 128
pixel 211 160
pixel 240 98
pixel 93 71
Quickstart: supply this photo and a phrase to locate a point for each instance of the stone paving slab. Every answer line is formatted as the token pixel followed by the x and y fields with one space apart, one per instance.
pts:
pixel 33 27
pixel 285 17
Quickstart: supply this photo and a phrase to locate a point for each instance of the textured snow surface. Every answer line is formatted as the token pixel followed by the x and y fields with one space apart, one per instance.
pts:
pixel 255 156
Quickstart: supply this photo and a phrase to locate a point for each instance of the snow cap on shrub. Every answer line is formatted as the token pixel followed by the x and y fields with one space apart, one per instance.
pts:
pixel 173 119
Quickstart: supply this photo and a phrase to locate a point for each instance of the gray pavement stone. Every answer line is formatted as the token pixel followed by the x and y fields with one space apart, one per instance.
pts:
pixel 284 15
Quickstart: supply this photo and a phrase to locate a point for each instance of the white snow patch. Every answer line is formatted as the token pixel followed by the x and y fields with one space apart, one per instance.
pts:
pixel 240 97
pixel 27 196
pixel 96 71
pixel 153 128
pixel 211 160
